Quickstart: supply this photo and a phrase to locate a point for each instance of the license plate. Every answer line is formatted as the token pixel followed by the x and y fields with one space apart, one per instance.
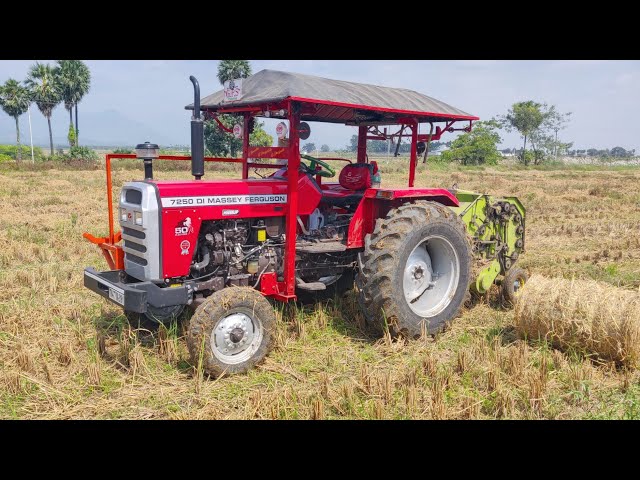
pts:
pixel 116 296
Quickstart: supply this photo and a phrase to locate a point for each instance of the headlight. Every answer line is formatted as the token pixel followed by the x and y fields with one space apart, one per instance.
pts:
pixel 138 218
pixel 123 215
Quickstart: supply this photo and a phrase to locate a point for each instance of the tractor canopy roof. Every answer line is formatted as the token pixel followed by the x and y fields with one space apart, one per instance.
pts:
pixel 335 101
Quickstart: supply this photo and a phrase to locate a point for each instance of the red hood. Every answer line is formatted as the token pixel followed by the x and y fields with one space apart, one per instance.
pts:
pixel 196 188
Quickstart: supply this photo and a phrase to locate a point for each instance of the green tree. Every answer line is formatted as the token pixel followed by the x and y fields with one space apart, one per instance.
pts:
pixel 526 118
pixel 479 146
pixel 66 82
pixel 74 81
pixel 71 136
pixel 325 148
pixel 309 147
pixel 219 142
pixel 231 69
pixel 45 92
pixel 260 138
pixel 620 152
pixel 555 122
pixel 544 139
pixel 15 100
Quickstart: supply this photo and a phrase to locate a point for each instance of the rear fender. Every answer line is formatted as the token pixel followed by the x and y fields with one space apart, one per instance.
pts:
pixel 376 203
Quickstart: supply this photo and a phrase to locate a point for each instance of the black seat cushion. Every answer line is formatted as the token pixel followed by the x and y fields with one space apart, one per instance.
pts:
pixel 343 201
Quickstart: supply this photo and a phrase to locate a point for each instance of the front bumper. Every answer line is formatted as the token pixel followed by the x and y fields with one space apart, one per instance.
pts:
pixel 131 294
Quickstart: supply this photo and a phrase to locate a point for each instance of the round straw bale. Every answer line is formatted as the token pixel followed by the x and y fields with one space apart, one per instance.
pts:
pixel 592 317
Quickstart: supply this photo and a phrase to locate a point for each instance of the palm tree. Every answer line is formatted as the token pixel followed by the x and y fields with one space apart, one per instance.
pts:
pixel 74 79
pixel 42 83
pixel 230 69
pixel 65 79
pixel 15 100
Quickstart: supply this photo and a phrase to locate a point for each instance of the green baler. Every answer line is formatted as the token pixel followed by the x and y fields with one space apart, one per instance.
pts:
pixel 496 227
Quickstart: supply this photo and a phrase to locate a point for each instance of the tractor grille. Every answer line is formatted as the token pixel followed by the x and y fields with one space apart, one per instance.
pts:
pixel 135 246
pixel 134 197
pixel 136 259
pixel 133 233
pixel 141 243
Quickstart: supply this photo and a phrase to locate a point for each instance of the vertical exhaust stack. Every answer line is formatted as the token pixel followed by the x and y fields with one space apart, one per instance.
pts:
pixel 197 134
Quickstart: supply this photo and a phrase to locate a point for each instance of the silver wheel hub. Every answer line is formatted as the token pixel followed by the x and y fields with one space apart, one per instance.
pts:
pixel 236 338
pixel 431 276
pixel 418 275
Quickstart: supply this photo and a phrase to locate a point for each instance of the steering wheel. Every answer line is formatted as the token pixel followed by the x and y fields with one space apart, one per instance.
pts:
pixel 326 172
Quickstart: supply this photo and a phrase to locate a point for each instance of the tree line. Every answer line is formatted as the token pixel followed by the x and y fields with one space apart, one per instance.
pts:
pixel 68 81
pixel 615 152
pixel 539 125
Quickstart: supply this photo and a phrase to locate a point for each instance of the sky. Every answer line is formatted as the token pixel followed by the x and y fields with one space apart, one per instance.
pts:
pixel 135 101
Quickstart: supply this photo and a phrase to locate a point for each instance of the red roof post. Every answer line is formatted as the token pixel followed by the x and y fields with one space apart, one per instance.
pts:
pixel 414 152
pixel 362 144
pixel 292 199
pixel 245 146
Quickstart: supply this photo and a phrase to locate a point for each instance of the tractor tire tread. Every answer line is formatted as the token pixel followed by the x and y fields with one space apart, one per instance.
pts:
pixel 380 264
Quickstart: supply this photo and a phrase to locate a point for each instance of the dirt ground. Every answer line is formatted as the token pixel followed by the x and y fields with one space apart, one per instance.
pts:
pixel 67 353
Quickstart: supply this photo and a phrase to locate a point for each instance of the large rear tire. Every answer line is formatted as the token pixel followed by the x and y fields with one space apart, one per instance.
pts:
pixel 231 331
pixel 415 270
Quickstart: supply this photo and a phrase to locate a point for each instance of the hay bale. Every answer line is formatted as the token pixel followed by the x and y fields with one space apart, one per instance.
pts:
pixel 592 317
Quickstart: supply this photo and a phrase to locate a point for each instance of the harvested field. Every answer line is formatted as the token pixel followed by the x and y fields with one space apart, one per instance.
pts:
pixel 66 353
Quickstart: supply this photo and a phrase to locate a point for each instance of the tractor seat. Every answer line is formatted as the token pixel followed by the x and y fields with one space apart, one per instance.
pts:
pixel 354 179
pixel 336 196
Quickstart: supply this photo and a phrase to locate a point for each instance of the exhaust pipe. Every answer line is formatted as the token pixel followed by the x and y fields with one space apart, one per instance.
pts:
pixel 197 134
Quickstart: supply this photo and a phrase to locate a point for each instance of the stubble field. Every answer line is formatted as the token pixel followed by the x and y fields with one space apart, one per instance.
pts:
pixel 67 353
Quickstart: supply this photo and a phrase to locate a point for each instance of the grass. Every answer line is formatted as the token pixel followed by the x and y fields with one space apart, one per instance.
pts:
pixel 66 353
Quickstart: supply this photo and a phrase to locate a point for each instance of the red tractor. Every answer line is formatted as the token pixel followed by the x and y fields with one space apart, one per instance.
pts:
pixel 222 246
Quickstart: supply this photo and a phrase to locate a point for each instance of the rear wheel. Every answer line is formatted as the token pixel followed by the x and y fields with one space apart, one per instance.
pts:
pixel 231 331
pixel 513 281
pixel 415 270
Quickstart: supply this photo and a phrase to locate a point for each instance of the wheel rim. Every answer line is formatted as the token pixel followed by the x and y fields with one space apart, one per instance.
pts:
pixel 517 285
pixel 431 276
pixel 236 337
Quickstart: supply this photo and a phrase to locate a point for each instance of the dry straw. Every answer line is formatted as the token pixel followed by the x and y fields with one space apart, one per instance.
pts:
pixel 594 318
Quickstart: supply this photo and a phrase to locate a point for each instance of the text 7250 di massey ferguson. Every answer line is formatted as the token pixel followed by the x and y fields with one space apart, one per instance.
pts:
pixel 222 246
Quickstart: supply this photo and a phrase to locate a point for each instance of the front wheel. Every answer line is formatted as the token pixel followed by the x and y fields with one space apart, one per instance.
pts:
pixel 415 270
pixel 231 331
pixel 513 281
pixel 154 317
